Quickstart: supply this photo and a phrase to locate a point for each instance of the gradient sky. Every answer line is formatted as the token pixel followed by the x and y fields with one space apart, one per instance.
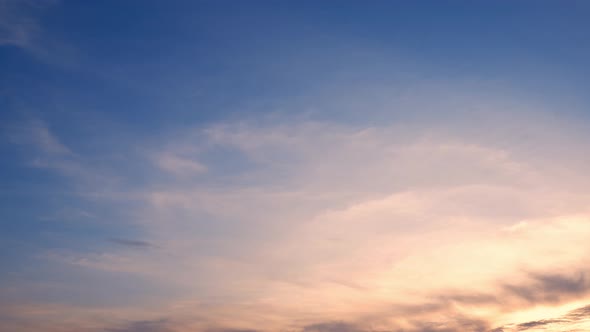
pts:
pixel 294 166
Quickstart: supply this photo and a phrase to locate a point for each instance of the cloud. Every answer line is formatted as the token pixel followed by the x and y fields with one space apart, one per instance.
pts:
pixel 327 226
pixel 178 165
pixel 14 29
pixel 341 227
pixel 230 330
pixel 528 325
pixel 38 134
pixel 161 325
pixel 454 324
pixel 575 320
pixel 18 24
pixel 548 288
pixel 332 327
pixel 580 313
pixel 44 149
pixel 133 243
pixel 388 229
pixel 22 27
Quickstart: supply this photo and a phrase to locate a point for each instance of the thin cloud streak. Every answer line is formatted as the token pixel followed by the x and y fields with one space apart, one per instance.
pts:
pixel 133 243
pixel 575 320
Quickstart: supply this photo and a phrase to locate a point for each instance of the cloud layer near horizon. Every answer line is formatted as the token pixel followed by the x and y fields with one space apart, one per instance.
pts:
pixel 300 224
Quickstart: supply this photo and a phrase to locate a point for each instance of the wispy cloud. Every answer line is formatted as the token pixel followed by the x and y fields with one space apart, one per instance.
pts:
pixel 38 134
pixel 18 24
pixel 133 243
pixel 161 325
pixel 575 320
pixel 332 327
pixel 551 288
pixel 229 330
pixel 178 165
pixel 43 149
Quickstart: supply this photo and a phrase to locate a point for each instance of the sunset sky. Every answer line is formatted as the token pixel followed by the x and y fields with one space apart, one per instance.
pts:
pixel 294 166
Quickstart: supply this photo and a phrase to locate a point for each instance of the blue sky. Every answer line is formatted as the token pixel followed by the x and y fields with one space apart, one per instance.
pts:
pixel 277 165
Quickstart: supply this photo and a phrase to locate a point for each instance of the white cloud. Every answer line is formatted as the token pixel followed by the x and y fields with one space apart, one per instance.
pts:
pixel 178 165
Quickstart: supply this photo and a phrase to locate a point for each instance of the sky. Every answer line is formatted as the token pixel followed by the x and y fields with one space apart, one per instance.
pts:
pixel 294 166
